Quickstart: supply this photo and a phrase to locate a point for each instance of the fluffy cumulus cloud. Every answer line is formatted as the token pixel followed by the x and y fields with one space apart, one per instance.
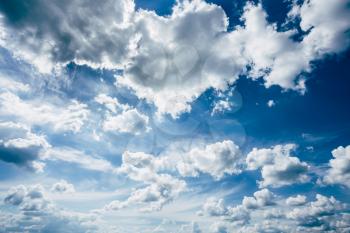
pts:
pixel 261 198
pixel 213 207
pixel 278 166
pixel 216 159
pixel 239 215
pixel 171 60
pixel 319 215
pixel 339 171
pixel 63 187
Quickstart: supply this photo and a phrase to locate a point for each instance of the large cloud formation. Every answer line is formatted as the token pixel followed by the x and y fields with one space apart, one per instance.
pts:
pixel 171 60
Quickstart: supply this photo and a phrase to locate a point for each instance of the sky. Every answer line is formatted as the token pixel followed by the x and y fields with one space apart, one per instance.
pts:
pixel 174 116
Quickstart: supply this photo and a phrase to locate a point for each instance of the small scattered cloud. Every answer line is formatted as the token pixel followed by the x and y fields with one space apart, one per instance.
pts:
pixel 271 103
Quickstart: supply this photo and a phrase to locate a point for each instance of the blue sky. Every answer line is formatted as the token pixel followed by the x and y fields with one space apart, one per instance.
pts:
pixel 174 116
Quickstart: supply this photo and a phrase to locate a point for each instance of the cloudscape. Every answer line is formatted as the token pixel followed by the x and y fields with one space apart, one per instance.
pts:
pixel 174 116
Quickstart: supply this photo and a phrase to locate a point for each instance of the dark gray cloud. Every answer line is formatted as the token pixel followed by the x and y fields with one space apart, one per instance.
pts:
pixel 20 146
pixel 66 30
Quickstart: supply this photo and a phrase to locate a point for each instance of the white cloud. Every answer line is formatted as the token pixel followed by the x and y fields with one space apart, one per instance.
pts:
pixel 63 187
pixel 272 54
pixel 261 198
pixel 328 22
pixel 216 159
pixel 278 167
pixel 129 121
pixel 266 212
pixel 160 191
pixel 170 68
pixel 296 200
pixel 213 207
pixel 63 117
pixel 239 215
pixel 38 166
pixel 339 171
pixel 321 206
pixel 218 227
pixel 7 84
pixel 165 189
pixel 138 166
pixel 160 188
pixel 20 136
pixel 221 106
pixel 20 146
pixel 270 103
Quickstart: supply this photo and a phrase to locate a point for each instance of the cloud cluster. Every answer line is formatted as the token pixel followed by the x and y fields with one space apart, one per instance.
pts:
pixel 239 215
pixel 157 172
pixel 260 199
pixel 159 188
pixel 171 60
pixel 266 212
pixel 278 167
pixel 34 212
pixel 122 118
